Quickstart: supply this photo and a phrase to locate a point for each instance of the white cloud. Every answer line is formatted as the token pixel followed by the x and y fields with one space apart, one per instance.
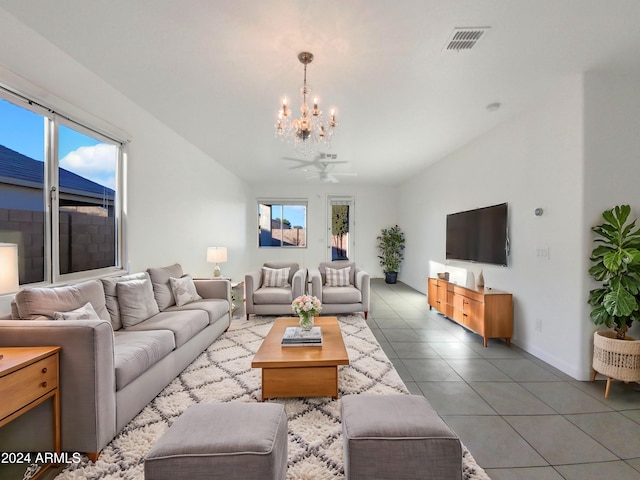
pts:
pixel 97 163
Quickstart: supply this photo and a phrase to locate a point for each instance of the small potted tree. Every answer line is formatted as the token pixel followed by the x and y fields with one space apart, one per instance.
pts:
pixel 616 264
pixel 391 246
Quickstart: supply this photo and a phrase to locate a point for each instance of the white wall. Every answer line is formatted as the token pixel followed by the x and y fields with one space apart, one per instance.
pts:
pixel 532 160
pixel 375 208
pixel 179 200
pixel 612 151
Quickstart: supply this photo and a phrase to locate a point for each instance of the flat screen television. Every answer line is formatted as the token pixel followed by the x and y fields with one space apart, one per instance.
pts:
pixel 479 235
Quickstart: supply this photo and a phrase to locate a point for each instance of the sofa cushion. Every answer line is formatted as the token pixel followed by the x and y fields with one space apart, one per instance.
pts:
pixel 341 295
pixel 111 295
pixel 85 312
pixel 338 277
pixel 136 352
pixel 161 286
pixel 40 303
pixel 184 290
pixel 272 295
pixel 185 324
pixel 216 308
pixel 275 277
pixel 136 301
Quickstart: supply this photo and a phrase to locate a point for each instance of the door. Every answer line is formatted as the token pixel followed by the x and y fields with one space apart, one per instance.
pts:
pixel 341 221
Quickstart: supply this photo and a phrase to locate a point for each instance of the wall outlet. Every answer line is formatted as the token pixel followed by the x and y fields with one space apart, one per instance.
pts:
pixel 543 253
pixel 538 324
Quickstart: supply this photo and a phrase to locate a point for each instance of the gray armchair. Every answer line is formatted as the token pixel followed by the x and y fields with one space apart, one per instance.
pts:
pixel 352 297
pixel 267 294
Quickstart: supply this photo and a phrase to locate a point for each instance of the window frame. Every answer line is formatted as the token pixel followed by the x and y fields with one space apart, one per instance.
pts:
pixel 282 203
pixel 54 114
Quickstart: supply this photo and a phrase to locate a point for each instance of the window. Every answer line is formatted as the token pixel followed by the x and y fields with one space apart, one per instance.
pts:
pixel 282 224
pixel 59 194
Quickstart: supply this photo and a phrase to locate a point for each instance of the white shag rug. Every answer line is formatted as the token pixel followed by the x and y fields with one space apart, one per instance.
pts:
pixel 223 373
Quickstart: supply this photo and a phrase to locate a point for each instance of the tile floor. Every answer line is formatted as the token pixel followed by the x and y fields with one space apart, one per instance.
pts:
pixel 520 417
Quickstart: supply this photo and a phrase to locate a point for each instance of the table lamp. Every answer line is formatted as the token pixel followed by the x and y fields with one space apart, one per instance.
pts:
pixel 8 269
pixel 216 255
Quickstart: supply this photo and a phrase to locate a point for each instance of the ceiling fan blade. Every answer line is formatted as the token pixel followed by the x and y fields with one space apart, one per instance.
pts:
pixel 332 179
pixel 301 162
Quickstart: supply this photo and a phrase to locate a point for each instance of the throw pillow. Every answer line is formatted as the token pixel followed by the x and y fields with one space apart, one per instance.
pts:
pixel 111 295
pixel 275 277
pixel 337 277
pixel 161 286
pixel 136 301
pixel 86 312
pixel 184 290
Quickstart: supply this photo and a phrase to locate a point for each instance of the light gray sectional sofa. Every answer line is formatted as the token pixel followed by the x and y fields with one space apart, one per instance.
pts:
pixel 113 366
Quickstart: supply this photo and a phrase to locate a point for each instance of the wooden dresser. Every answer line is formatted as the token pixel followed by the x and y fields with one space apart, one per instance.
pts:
pixel 486 311
pixel 28 377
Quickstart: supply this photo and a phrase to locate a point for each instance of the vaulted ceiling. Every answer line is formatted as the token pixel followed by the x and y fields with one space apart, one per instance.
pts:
pixel 214 71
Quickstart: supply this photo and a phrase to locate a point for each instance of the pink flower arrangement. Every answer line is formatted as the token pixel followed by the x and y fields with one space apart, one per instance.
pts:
pixel 306 305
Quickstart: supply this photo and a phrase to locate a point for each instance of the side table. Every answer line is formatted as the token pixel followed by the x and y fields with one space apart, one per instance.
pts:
pixel 28 377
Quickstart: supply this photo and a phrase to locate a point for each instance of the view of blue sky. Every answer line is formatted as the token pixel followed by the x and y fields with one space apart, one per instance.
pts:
pixel 23 131
pixel 294 213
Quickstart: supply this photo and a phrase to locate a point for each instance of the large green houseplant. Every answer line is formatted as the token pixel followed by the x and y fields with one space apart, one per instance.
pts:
pixel 391 246
pixel 616 263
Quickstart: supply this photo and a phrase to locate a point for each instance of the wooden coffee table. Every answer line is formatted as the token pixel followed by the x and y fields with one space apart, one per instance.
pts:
pixel 301 371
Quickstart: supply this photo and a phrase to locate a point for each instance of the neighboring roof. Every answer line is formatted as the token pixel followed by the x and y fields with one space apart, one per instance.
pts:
pixel 25 170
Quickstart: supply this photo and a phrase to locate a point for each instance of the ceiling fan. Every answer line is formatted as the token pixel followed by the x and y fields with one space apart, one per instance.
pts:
pixel 317 162
pixel 325 175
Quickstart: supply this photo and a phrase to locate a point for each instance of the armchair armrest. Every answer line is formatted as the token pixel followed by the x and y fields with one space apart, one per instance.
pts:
pixel 298 282
pixel 363 283
pixel 252 282
pixel 87 379
pixel 316 283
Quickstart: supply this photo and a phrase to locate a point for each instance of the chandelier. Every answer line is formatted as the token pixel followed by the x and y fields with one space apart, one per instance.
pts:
pixel 310 130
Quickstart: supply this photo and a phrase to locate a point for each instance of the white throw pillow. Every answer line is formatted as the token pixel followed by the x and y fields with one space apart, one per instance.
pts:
pixel 275 277
pixel 337 277
pixel 86 312
pixel 136 301
pixel 184 290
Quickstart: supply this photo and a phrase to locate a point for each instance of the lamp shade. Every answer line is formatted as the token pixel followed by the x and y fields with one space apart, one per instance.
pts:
pixel 216 254
pixel 9 280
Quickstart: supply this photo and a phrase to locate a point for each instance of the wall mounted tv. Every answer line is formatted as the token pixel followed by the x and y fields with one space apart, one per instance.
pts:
pixel 479 235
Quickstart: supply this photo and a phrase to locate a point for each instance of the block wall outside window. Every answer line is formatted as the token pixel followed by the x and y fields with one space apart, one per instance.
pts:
pixel 62 210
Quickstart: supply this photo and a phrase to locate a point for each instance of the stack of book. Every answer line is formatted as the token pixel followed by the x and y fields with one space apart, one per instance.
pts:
pixel 297 337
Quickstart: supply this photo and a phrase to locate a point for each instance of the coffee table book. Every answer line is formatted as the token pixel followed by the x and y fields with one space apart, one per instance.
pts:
pixel 297 337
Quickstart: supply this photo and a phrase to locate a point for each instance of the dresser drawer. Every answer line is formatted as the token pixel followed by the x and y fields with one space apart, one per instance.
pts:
pixel 23 386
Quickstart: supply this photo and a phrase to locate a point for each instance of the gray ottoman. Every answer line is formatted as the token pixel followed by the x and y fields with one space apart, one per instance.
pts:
pixel 397 437
pixel 222 441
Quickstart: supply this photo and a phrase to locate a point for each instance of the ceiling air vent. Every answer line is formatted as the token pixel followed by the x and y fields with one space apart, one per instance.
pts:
pixel 465 38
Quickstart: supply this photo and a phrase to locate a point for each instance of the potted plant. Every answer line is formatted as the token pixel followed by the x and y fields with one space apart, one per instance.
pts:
pixel 616 264
pixel 391 246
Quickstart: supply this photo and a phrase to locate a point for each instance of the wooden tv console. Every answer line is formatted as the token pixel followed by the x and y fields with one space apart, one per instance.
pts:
pixel 487 312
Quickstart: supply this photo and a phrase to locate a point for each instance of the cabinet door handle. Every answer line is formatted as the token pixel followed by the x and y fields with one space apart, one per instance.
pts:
pixel 44 370
pixel 44 384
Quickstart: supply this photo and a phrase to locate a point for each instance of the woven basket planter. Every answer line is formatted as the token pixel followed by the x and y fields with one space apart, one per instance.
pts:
pixel 617 359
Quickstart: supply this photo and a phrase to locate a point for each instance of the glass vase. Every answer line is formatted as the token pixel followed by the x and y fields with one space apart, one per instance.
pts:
pixel 306 321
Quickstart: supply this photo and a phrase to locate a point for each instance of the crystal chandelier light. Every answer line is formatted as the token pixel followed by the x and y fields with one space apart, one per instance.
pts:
pixel 310 130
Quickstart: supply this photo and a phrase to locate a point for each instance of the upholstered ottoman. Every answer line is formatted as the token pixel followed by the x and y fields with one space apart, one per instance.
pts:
pixel 397 437
pixel 222 441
